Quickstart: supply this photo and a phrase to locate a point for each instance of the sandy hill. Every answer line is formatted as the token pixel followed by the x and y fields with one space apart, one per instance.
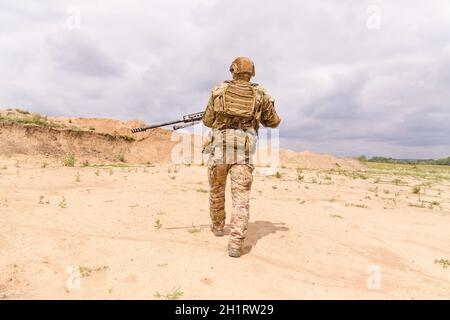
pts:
pixel 108 140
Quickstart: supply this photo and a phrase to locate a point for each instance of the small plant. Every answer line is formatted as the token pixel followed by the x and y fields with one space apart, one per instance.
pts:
pixel 337 216
pixel 278 175
pixel 434 204
pixel 175 294
pixel 300 175
pixel 44 165
pixel 356 205
pixel 416 189
pixel 3 202
pixel 358 175
pixel 121 158
pixel 63 203
pixel 327 177
pixel 69 161
pixel 375 191
pixel 41 200
pixel 86 271
pixel 444 262
pixel 274 187
pixel 201 190
pixel 92 128
pixel 158 224
pixel 85 163
pixel 397 181
pixel 386 191
pixel 419 205
pixel 128 138
pixel 377 180
pixel 194 229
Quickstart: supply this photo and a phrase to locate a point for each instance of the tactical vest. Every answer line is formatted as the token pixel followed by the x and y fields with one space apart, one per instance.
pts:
pixel 237 106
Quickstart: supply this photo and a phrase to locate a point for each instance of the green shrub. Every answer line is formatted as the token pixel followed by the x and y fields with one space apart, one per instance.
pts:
pixel 69 161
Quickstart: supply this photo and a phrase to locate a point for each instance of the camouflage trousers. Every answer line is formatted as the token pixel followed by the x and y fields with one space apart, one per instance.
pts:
pixel 241 181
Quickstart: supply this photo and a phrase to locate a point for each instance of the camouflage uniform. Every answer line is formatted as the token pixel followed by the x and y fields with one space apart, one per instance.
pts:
pixel 234 112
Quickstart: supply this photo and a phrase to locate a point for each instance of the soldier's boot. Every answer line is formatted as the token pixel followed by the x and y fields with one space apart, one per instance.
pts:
pixel 234 248
pixel 234 252
pixel 217 232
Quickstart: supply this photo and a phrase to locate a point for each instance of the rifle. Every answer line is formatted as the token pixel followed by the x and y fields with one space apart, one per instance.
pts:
pixel 188 120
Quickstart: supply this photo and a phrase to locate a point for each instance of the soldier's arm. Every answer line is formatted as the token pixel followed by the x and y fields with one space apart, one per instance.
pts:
pixel 269 116
pixel 209 116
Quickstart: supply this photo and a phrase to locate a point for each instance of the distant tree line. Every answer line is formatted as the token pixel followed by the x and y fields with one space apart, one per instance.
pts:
pixel 442 162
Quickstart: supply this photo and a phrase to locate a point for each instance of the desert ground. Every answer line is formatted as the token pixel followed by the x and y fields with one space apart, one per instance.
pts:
pixel 142 232
pixel 76 229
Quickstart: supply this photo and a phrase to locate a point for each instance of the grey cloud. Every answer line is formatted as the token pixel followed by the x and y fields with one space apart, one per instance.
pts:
pixel 338 86
pixel 74 52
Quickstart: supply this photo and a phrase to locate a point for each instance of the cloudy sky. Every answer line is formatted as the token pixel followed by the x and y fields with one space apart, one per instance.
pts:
pixel 349 77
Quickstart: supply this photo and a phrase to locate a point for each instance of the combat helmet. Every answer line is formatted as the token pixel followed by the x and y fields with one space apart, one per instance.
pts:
pixel 243 65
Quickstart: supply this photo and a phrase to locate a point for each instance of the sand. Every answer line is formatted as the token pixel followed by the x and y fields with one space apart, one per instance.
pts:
pixel 143 233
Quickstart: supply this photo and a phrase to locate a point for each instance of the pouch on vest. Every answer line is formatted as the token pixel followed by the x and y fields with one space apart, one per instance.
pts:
pixel 239 100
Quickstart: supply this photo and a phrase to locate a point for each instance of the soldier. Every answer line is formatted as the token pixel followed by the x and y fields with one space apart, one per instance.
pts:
pixel 234 112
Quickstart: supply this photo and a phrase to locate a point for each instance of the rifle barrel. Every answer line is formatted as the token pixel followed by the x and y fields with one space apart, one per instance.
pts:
pixel 194 117
pixel 155 126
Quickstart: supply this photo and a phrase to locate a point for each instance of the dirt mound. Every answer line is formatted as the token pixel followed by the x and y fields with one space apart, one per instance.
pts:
pixel 310 160
pixel 94 140
pixel 107 140
pixel 110 126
